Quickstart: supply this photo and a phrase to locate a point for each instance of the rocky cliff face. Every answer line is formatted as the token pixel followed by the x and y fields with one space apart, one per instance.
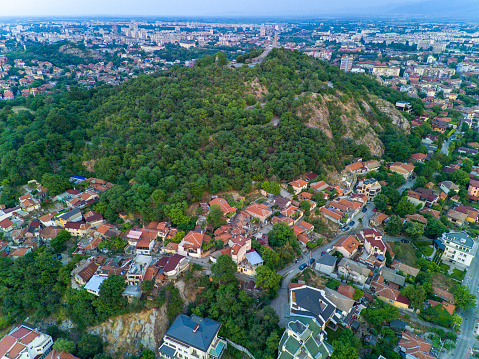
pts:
pixel 124 334
pixel 394 114
pixel 350 120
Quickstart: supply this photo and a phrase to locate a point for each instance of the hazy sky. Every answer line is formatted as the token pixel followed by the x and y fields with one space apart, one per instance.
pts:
pixel 182 7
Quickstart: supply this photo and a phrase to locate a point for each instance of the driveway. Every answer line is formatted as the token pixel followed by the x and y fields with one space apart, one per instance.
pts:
pixel 407 185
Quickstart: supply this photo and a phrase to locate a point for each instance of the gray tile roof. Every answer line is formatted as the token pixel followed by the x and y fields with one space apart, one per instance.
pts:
pixel 327 259
pixel 460 238
pixel 183 329
pixel 314 303
pixel 391 276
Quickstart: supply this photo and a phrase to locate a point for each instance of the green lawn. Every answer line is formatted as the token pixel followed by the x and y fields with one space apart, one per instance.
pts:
pixel 427 250
pixel 444 267
pixel 406 253
pixel 458 274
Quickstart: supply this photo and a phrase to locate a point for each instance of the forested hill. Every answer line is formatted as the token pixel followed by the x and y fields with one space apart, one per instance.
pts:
pixel 172 136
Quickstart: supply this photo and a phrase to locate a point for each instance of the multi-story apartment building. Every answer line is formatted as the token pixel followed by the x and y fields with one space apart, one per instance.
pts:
pixel 346 63
pixel 460 248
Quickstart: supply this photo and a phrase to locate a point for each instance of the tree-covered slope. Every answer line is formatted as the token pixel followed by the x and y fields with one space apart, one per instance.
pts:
pixel 169 137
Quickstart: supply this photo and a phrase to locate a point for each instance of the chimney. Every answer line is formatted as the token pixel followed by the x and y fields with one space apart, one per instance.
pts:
pixel 196 328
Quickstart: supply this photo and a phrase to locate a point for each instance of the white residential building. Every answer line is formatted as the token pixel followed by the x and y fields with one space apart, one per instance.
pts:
pixel 192 338
pixel 459 250
pixel 25 343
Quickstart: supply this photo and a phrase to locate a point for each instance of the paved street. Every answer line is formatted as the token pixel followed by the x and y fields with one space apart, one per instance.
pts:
pixel 407 185
pixel 280 303
pixel 466 339
pixel 445 145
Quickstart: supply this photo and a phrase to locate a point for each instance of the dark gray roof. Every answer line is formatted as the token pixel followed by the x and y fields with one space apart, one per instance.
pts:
pixel 391 276
pixel 398 324
pixel 327 259
pixel 70 214
pixel 314 303
pixel 183 329
pixel 460 238
pixel 167 350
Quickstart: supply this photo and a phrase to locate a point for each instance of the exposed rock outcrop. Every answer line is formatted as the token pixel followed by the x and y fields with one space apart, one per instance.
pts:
pixel 124 334
pixel 354 123
pixel 394 114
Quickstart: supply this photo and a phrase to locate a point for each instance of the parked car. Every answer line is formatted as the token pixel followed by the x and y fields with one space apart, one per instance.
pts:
pixel 404 240
pixel 375 209
pixel 329 250
pixel 303 266
pixel 345 229
pixel 352 223
pixel 365 209
pixel 311 261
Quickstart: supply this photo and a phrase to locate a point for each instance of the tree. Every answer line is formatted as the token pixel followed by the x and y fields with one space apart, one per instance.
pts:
pixel 55 184
pixel 434 228
pixel 358 294
pixel 215 216
pixel 345 346
pixel 176 213
pixel 147 354
pixel 147 286
pixel 381 202
pixel 64 345
pixel 404 207
pixel 271 258
pixel 272 187
pixel 58 243
pixel 388 258
pixel 463 297
pixel 305 206
pixel 280 235
pixel 460 177
pixel 89 345
pixel 416 295
pixel 380 312
pixel 394 226
pixel 415 230
pixel 111 301
pixel 267 279
pixel 224 269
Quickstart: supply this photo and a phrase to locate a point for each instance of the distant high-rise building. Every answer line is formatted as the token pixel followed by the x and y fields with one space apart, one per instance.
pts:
pixel 262 31
pixel 346 63
pixel 275 41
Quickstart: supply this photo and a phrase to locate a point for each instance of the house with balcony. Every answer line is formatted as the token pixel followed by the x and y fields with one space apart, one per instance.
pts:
pixel 369 187
pixel 459 250
pixel 191 244
pixel 192 338
pixel 25 343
